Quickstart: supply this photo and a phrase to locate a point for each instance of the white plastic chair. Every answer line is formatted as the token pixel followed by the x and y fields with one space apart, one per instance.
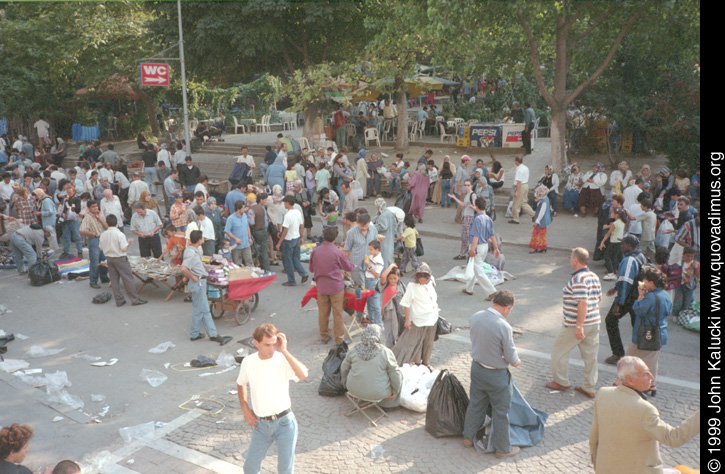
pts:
pixel 421 128
pixel 458 120
pixel 371 135
pixel 413 133
pixel 304 144
pixel 270 125
pixel 443 134
pixel 263 125
pixel 238 125
pixel 350 129
pixel 388 130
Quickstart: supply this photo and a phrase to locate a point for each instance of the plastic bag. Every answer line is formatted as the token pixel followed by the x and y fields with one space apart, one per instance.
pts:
pixel 42 273
pixel 225 359
pixel 161 348
pixel 417 382
pixel 470 270
pixel 443 327
pixel 40 351
pixel 142 431
pixel 331 383
pixel 403 201
pixel 153 377
pixel 447 404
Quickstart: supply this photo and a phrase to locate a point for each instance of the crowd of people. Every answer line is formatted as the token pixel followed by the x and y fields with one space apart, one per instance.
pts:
pixel 647 235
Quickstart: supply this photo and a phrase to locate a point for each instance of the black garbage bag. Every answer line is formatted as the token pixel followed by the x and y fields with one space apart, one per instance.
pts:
pixel 443 327
pixel 447 405
pixel 331 383
pixel 403 201
pixel 42 272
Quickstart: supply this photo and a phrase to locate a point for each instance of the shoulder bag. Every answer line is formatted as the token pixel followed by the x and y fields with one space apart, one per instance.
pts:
pixel 649 337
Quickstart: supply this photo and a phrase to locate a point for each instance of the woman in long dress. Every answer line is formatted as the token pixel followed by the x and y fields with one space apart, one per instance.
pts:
pixel 420 303
pixel 387 224
pixel 361 172
pixel 573 186
pixel 542 219
pixel 418 187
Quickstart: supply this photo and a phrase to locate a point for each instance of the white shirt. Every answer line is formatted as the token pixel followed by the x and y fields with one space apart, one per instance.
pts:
pixel 135 190
pixel 202 188
pixel 179 158
pixel 42 127
pixel 522 174
pixel 6 190
pixel 112 207
pixel 376 263
pixel 423 303
pixel 292 221
pixel 112 243
pixel 635 227
pixel 18 145
pixel 121 178
pixel 165 156
pixel 249 160
pixel 58 175
pixel 268 383
pixel 106 173
pixel 630 196
pixel 206 227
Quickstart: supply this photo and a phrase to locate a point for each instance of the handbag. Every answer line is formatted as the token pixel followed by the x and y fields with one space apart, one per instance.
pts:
pixel 419 250
pixel 443 327
pixel 649 337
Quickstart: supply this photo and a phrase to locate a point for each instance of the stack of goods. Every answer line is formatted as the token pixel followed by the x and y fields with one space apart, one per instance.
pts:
pixel 74 268
pixel 153 268
pixel 218 276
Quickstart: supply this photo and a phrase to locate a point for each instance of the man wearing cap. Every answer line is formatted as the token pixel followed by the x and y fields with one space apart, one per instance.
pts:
pixel 195 276
pixel 521 191
pixel 92 227
pixel 114 246
pixel 146 224
pixel 626 290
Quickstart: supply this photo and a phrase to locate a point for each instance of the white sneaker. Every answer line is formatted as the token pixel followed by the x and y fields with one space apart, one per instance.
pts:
pixel 609 277
pixel 576 215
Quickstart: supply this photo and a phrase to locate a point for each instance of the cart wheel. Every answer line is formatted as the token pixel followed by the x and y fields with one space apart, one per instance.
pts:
pixel 215 312
pixel 244 312
pixel 254 301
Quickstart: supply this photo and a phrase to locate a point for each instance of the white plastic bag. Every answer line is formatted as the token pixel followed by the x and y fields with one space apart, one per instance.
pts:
pixel 470 270
pixel 163 347
pixel 143 431
pixel 40 351
pixel 153 377
pixel 417 383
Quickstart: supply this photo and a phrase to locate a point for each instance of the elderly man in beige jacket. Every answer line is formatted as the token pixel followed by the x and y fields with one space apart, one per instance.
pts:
pixel 627 430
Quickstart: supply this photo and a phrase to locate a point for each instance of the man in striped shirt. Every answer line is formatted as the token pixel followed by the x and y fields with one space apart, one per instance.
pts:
pixel 582 295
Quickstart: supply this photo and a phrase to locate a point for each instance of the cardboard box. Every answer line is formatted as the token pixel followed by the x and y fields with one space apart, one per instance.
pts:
pixel 240 273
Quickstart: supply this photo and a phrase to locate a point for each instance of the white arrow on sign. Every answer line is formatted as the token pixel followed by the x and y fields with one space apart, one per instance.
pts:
pixel 155 79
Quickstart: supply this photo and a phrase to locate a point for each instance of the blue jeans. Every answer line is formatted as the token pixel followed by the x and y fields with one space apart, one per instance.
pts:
pixel 394 181
pixel 445 189
pixel 374 302
pixel 22 248
pixel 149 175
pixel 683 299
pixel 291 259
pixel 71 231
pixel 95 256
pixel 282 431
pixel 200 313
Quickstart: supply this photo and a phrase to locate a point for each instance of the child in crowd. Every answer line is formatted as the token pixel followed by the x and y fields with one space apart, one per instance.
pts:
pixel 395 174
pixel 310 180
pixel 615 233
pixel 322 177
pixel 373 268
pixel 408 237
pixel 648 219
pixel 175 245
pixel 290 176
pixel 684 295
pixel 404 174
pixel 226 250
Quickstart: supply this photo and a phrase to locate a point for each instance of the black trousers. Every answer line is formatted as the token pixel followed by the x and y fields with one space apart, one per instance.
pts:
pixel 612 324
pixel 150 245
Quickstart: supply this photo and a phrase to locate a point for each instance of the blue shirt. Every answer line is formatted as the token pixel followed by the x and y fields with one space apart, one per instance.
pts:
pixel 239 228
pixel 644 310
pixel 275 175
pixel 232 197
pixel 48 212
pixel 482 227
pixel 3 157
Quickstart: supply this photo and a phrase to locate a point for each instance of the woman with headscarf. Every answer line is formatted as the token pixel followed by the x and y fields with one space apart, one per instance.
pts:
pixel 542 219
pixel 620 178
pixel 374 163
pixel 387 224
pixel 48 214
pixel 645 173
pixel 551 180
pixel 361 172
pixel 418 187
pixel 591 194
pixel 370 372
pixel 573 186
pixel 150 202
pixel 391 290
pixel 420 303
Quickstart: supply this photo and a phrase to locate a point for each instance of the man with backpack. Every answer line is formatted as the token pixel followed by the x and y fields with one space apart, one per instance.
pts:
pixel 626 290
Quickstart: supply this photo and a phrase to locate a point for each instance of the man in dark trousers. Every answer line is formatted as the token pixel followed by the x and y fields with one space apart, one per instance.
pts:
pixel 493 351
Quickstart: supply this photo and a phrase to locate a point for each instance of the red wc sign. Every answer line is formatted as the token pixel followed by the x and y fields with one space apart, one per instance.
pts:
pixel 154 74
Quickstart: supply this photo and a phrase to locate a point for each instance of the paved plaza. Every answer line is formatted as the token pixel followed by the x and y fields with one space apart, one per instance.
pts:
pixel 212 437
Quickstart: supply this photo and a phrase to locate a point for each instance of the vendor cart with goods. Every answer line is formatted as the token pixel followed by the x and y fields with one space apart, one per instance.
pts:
pixel 236 290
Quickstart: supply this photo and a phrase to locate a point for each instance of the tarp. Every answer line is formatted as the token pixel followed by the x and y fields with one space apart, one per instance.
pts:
pixel 496 277
pixel 526 425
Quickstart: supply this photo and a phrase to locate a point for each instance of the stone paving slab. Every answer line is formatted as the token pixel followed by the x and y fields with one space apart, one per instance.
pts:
pixel 330 442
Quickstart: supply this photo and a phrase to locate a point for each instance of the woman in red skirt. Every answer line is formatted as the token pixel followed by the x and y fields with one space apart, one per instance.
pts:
pixel 542 219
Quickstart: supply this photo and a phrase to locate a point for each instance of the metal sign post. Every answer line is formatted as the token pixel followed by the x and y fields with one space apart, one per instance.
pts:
pixel 183 83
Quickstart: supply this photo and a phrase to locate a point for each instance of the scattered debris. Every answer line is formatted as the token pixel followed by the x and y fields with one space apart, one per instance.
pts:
pixel 153 377
pixel 163 347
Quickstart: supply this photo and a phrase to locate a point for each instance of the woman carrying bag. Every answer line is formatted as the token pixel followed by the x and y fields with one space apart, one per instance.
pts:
pixel 651 309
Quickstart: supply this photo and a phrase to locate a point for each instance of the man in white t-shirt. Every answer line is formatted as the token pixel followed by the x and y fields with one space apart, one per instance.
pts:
pixel 290 241
pixel 521 191
pixel 268 373
pixel 246 158
pixel 43 129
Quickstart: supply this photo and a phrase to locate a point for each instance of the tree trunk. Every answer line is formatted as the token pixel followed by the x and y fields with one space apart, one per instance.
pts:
pixel 558 139
pixel 401 143
pixel 308 130
pixel 148 104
